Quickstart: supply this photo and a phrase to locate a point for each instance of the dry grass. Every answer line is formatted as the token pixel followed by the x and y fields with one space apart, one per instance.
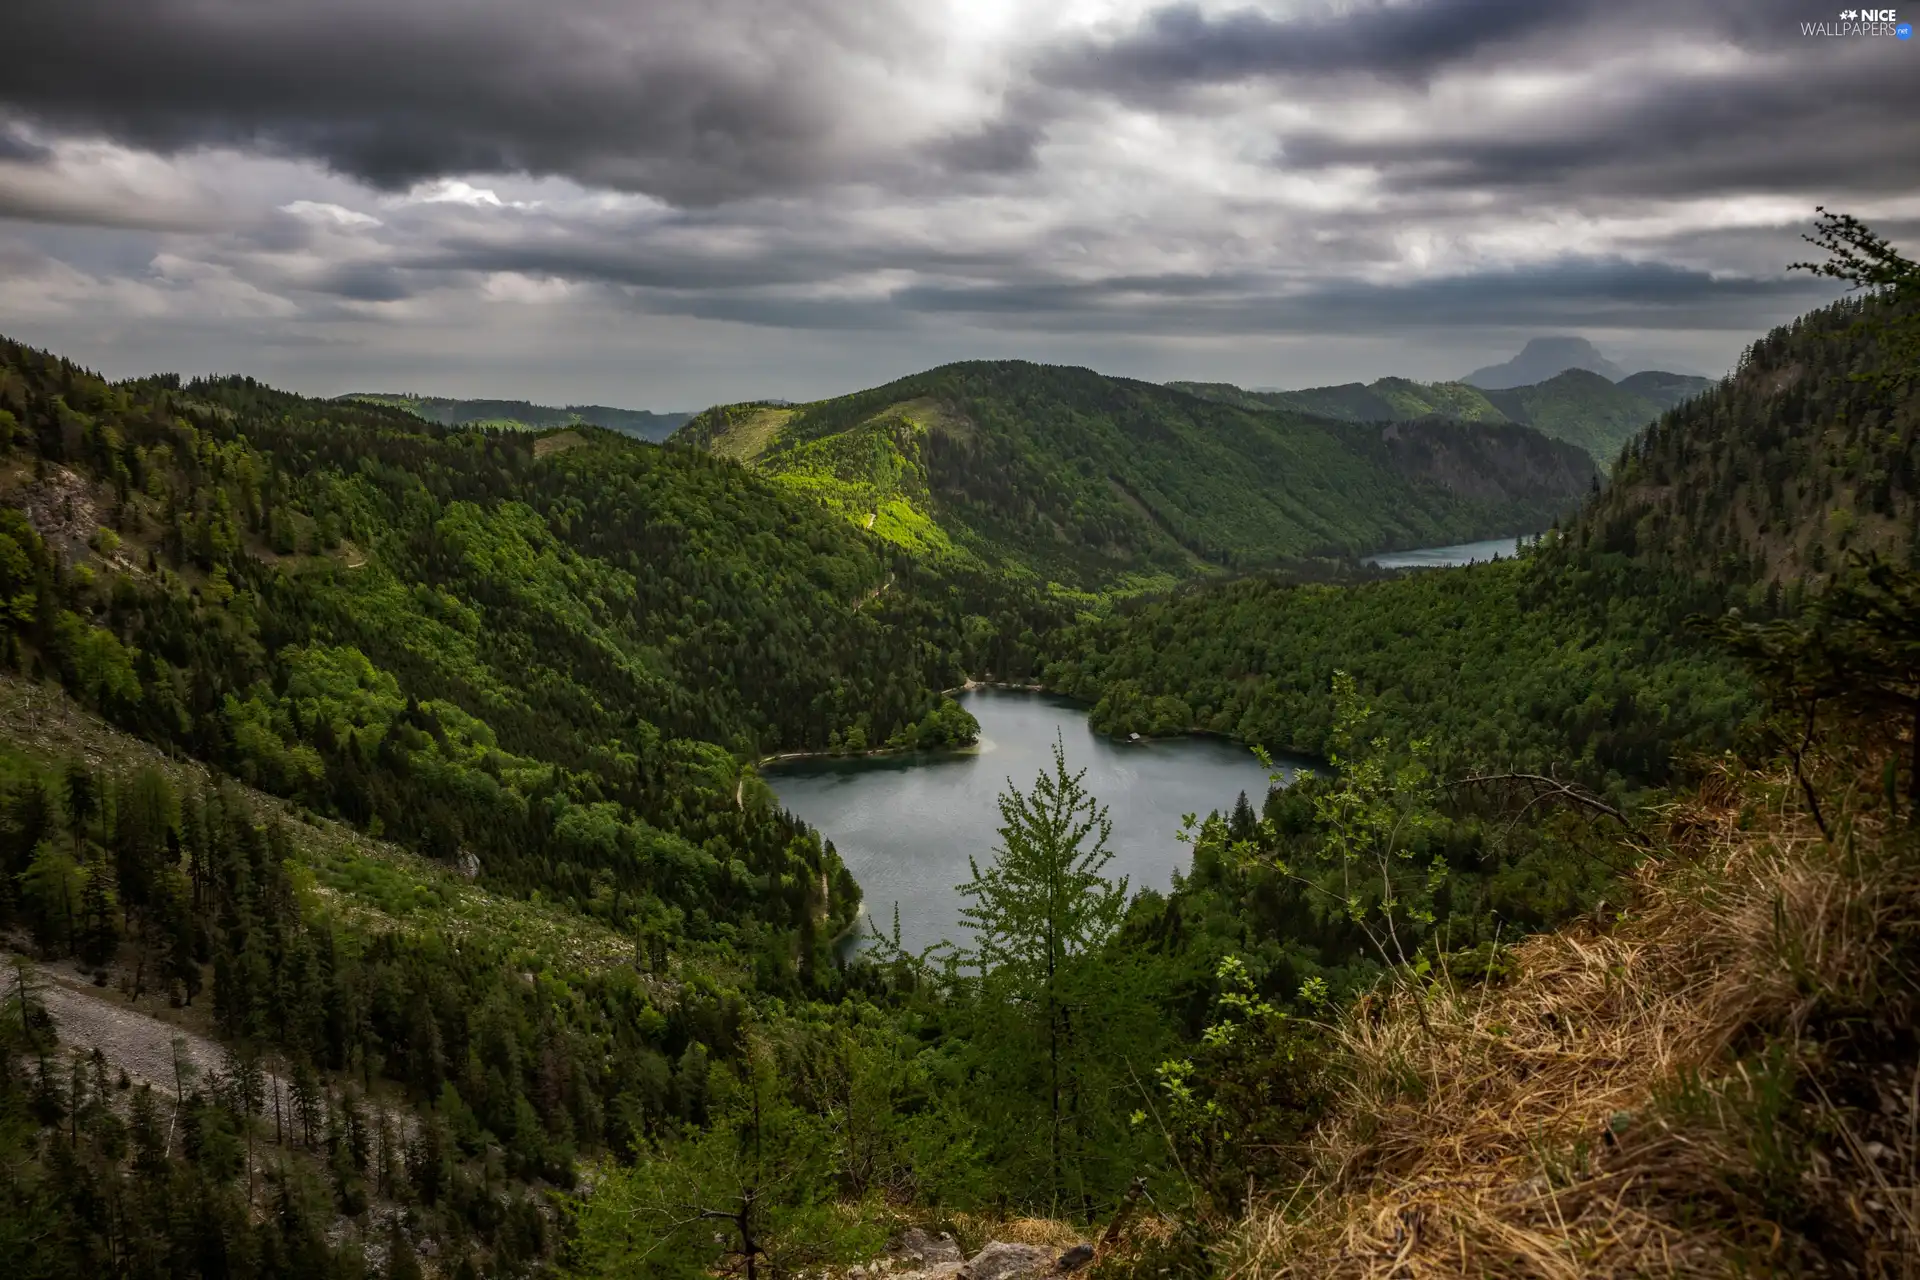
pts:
pixel 1723 1081
pixel 559 442
pixel 974 1231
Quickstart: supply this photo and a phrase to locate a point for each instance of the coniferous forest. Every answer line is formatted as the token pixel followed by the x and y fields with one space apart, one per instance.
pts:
pixel 392 891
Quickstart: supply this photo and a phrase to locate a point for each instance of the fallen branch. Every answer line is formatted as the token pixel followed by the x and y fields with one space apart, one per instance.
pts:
pixel 1550 788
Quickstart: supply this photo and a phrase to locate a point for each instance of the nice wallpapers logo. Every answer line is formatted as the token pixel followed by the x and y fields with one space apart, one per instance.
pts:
pixel 1862 22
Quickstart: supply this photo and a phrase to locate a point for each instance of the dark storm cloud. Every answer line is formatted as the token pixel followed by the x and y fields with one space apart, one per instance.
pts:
pixel 924 174
pixel 1571 292
pixel 692 100
pixel 365 282
pixel 743 246
pixel 1837 119
pixel 1181 46
pixel 1698 99
pixel 605 256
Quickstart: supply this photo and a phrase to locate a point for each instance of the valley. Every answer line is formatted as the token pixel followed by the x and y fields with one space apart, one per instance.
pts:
pixel 490 804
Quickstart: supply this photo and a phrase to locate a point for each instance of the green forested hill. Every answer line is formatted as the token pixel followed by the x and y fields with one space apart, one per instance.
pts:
pixel 1783 470
pixel 1503 665
pixel 1577 406
pixel 544 661
pixel 1064 475
pixel 1576 657
pixel 522 415
pixel 1665 389
pixel 1583 408
pixel 1384 400
pixel 552 650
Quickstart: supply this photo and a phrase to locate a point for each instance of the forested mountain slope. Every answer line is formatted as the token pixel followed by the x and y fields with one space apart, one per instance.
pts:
pixel 1804 456
pixel 1065 475
pixel 1577 658
pixel 1383 400
pixel 644 424
pixel 1578 406
pixel 1501 664
pixel 550 650
pixel 1584 408
pixel 1665 389
pixel 544 662
pixel 1734 1031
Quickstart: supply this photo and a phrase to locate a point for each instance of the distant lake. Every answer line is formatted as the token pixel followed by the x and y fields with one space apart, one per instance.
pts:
pixel 1444 557
pixel 905 825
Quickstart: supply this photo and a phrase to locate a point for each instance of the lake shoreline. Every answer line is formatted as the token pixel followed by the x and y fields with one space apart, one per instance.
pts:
pixel 908 830
pixel 872 753
pixel 1002 684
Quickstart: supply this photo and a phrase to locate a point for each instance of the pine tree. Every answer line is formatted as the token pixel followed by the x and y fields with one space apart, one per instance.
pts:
pixel 401 1262
pixel 83 800
pixel 1041 905
pixel 99 934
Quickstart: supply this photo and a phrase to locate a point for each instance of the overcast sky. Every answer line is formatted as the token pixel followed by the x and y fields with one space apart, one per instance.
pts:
pixel 667 203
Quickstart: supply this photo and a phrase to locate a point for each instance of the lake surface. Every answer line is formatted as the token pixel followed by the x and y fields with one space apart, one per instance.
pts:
pixel 905 825
pixel 1444 557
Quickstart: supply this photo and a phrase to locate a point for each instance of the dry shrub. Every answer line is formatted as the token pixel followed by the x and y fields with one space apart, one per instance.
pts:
pixel 1724 1080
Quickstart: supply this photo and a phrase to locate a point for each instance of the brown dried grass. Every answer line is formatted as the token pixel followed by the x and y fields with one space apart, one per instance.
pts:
pixel 1617 1108
pixel 974 1231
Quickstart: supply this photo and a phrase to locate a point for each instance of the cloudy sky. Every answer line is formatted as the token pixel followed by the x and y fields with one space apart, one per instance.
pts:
pixel 667 203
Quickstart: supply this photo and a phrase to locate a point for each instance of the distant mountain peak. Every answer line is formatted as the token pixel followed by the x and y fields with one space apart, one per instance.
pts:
pixel 1541 359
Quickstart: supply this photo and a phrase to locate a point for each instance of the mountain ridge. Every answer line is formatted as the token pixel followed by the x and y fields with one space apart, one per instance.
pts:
pixel 1068 475
pixel 451 411
pixel 1578 406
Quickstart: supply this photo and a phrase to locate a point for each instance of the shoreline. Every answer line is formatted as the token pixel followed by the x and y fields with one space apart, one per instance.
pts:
pixel 870 753
pixel 996 684
pixel 873 752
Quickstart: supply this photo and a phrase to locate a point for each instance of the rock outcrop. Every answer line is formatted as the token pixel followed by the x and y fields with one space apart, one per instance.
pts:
pixel 918 1255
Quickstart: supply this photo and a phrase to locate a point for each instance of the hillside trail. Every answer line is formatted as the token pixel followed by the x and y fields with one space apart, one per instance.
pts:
pixel 873 595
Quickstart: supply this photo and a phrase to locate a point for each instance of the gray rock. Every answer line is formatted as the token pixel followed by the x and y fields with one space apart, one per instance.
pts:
pixel 1001 1261
pixel 1075 1258
pixel 920 1249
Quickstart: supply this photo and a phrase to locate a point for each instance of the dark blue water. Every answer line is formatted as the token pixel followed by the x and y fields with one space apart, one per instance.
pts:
pixel 1443 557
pixel 906 825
